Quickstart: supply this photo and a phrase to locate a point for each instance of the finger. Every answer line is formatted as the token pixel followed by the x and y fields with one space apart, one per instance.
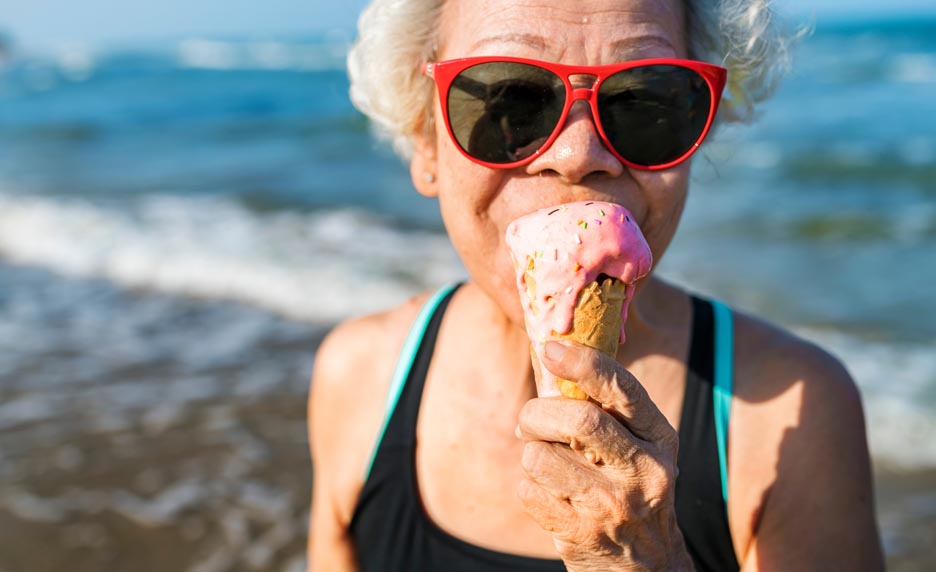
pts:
pixel 558 469
pixel 582 425
pixel 549 511
pixel 606 381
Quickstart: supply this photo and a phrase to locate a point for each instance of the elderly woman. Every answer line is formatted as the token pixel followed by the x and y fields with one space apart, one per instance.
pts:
pixel 713 440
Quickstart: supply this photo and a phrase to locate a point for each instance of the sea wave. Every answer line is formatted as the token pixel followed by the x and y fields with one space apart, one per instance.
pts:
pixel 914 68
pixel 324 266
pixel 903 167
pixel 211 54
pixel 45 70
pixel 321 265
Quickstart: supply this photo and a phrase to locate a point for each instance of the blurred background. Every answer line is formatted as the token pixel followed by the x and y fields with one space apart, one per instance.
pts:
pixel 188 201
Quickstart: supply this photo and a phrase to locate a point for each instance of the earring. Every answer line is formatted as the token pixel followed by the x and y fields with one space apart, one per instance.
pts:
pixel 429 177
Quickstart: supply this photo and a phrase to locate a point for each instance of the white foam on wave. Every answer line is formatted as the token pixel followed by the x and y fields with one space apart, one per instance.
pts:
pixel 77 63
pixel 919 68
pixel 271 55
pixel 319 266
pixel 898 387
pixel 326 266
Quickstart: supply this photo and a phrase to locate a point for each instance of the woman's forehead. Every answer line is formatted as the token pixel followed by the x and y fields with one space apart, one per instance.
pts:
pixel 605 30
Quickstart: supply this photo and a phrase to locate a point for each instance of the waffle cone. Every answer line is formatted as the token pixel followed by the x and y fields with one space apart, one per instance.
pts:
pixel 596 322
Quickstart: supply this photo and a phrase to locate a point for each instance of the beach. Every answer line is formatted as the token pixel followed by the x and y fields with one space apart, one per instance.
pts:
pixel 155 462
pixel 169 265
pixel 158 463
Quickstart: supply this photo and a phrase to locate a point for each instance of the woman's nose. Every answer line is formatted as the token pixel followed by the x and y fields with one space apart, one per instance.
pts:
pixel 578 152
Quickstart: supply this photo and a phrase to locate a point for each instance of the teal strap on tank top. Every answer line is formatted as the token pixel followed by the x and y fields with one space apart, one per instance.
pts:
pixel 722 388
pixel 405 362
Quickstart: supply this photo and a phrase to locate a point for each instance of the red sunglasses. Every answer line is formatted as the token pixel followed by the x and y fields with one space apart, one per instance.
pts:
pixel 503 112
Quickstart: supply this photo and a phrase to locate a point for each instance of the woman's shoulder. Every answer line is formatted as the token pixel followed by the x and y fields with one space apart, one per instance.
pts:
pixel 796 420
pixel 771 361
pixel 788 389
pixel 365 344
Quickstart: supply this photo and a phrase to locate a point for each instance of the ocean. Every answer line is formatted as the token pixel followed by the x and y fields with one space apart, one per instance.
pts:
pixel 180 224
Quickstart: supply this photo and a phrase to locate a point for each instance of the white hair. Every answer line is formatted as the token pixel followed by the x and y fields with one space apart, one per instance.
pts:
pixel 394 36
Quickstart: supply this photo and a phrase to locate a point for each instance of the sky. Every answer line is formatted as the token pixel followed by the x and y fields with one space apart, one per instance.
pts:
pixel 47 24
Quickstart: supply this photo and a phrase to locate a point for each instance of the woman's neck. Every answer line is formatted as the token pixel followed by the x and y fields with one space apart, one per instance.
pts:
pixel 652 315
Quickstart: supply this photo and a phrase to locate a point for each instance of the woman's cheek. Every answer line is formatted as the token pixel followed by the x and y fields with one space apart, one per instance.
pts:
pixel 665 195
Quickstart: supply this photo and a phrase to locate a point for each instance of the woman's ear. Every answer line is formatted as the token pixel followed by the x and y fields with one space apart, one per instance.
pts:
pixel 424 167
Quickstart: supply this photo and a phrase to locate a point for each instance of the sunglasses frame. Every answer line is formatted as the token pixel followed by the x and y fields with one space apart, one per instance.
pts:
pixel 444 73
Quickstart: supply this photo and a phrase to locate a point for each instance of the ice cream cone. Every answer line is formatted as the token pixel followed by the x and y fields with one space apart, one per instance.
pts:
pixel 596 321
pixel 576 267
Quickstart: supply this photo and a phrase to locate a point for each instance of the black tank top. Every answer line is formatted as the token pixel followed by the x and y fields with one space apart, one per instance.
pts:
pixel 391 531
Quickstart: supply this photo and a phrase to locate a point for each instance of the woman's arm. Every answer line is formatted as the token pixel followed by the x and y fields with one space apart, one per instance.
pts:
pixel 818 514
pixel 330 547
pixel 350 380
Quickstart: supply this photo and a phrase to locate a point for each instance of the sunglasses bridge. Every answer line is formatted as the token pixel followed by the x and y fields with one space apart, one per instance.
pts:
pixel 582 93
pixel 585 94
pixel 578 94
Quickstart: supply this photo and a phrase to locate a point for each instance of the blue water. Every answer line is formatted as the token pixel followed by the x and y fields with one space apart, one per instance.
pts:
pixel 277 137
pixel 240 171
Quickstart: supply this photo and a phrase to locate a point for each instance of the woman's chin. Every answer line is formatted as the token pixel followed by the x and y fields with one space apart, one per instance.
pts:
pixel 504 299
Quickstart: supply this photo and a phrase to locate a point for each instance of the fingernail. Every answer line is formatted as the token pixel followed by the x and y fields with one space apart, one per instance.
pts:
pixel 555 351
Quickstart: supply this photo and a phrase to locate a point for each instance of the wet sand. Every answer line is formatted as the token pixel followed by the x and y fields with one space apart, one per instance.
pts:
pixel 906 509
pixel 225 487
pixel 142 432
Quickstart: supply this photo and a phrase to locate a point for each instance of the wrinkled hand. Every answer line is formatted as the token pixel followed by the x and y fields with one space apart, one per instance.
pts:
pixel 602 478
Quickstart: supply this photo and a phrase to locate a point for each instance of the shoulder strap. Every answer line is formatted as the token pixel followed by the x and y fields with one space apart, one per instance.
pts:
pixel 701 487
pixel 405 363
pixel 722 388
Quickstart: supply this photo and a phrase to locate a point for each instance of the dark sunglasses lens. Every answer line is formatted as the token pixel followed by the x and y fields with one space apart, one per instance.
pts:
pixel 653 115
pixel 501 112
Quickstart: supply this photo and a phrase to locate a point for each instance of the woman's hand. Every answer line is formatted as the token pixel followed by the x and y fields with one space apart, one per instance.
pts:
pixel 602 478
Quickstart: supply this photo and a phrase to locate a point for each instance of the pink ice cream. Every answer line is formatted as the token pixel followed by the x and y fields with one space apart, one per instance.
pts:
pixel 571 245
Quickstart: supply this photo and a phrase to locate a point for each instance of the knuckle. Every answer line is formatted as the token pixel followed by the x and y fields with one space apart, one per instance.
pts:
pixel 657 498
pixel 526 491
pixel 527 414
pixel 655 471
pixel 656 502
pixel 637 395
pixel 598 361
pixel 591 363
pixel 627 453
pixel 610 375
pixel 657 494
pixel 660 486
pixel 588 421
pixel 532 458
